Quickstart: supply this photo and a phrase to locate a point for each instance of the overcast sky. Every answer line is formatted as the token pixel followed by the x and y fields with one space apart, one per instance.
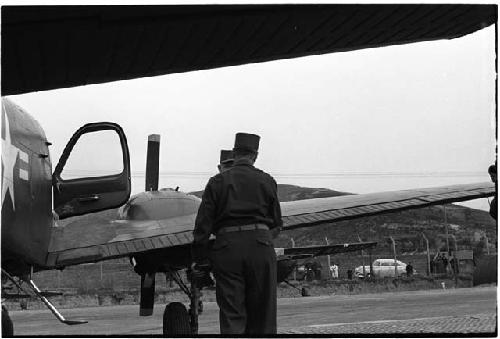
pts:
pixel 418 111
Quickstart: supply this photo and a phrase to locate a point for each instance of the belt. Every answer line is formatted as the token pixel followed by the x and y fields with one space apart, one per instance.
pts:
pixel 250 227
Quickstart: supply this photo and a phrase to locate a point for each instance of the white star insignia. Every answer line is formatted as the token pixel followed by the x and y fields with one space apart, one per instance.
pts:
pixel 9 157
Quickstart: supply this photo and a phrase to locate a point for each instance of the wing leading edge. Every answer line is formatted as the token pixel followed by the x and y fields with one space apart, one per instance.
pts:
pixel 81 242
pixel 303 213
pixel 76 243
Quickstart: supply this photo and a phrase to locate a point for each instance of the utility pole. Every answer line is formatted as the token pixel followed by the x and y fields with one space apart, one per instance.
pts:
pixel 295 269
pixel 395 262
pixel 428 254
pixel 446 229
pixel 362 258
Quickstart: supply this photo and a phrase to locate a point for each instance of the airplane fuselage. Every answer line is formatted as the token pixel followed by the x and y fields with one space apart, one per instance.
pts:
pixel 26 191
pixel 32 196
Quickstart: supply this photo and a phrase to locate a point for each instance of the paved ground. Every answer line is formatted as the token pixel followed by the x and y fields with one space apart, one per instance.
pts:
pixel 468 310
pixel 470 324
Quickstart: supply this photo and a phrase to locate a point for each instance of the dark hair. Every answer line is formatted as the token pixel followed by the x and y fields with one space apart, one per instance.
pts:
pixel 492 169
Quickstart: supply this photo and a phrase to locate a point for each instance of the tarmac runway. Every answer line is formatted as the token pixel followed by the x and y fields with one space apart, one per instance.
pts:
pixel 464 310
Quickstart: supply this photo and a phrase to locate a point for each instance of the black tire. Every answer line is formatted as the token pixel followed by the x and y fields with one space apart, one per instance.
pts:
pixel 176 320
pixel 7 326
pixel 305 292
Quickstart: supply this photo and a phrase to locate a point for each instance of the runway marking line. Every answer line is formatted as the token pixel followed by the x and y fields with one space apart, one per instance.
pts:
pixel 393 320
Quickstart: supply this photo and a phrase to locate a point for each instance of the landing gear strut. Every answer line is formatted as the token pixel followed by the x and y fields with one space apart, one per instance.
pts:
pixel 176 319
pixel 303 291
pixel 34 289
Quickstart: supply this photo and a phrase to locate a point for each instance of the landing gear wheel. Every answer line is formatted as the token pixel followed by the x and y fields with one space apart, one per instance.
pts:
pixel 176 320
pixel 7 326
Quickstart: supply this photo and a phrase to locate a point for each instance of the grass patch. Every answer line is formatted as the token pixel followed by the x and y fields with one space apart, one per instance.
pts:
pixel 164 295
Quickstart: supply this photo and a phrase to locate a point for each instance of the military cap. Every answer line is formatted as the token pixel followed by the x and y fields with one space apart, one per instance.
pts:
pixel 246 142
pixel 226 156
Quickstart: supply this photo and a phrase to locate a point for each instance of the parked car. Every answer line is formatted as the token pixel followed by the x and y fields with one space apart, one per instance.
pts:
pixel 382 268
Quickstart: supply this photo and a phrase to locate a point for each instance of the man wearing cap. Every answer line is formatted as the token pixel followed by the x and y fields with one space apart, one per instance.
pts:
pixel 240 206
pixel 226 160
pixel 492 171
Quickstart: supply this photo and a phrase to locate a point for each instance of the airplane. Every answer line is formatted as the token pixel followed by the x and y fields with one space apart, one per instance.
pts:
pixel 55 47
pixel 25 251
pixel 154 228
pixel 22 253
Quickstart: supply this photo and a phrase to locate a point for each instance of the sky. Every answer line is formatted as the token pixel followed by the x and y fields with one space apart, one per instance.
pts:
pixel 398 117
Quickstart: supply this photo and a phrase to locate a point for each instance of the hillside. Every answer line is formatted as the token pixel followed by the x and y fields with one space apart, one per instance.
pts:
pixel 292 192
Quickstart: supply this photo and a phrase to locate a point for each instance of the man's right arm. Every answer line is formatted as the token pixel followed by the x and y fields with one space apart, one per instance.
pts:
pixel 204 224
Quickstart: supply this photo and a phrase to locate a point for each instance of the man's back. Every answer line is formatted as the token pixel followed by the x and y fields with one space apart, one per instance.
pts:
pixel 240 206
pixel 245 195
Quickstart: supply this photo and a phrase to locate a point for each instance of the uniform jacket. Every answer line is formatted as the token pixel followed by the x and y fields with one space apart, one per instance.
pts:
pixel 241 195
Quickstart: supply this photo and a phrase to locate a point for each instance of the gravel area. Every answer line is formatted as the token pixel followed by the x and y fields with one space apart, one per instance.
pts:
pixel 468 324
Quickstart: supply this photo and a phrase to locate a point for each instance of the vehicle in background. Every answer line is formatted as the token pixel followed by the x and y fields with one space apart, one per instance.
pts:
pixel 382 268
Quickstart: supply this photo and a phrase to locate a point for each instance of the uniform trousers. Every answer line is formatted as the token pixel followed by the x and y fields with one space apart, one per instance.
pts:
pixel 244 265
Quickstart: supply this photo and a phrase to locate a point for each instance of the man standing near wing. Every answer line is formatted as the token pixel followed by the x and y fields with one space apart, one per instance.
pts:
pixel 240 206
pixel 492 171
pixel 226 160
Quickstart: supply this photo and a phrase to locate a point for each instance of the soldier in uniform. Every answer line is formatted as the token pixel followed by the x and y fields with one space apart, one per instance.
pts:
pixel 492 171
pixel 240 206
pixel 226 160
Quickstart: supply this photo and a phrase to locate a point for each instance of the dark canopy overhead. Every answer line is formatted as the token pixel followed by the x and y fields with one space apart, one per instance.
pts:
pixel 48 47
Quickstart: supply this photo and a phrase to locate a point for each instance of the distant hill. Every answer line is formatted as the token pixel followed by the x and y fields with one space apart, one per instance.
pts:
pixel 292 192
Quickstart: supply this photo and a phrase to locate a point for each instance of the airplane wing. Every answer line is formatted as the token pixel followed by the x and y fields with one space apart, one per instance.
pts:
pixel 78 243
pixel 98 44
pixel 315 251
pixel 81 241
pixel 303 213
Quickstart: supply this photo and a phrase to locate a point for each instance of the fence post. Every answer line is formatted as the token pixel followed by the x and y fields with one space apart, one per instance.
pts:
pixel 487 243
pixel 362 258
pixel 328 260
pixel 455 261
pixel 295 269
pixel 446 229
pixel 395 262
pixel 428 255
pixel 371 261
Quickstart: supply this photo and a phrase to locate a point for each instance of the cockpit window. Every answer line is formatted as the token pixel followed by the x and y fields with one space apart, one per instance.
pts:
pixel 102 145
